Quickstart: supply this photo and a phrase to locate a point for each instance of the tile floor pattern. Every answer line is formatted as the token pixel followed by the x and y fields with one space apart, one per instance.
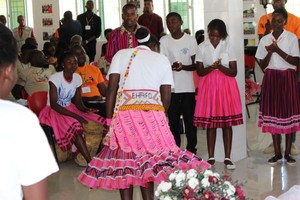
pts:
pixel 261 179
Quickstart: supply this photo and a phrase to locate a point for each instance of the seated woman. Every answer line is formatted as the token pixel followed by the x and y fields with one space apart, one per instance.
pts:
pixel 64 116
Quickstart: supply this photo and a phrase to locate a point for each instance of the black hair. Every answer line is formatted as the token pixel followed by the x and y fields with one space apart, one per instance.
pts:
pixel 128 6
pixel 8 44
pixel 47 45
pixel 68 15
pixel 281 11
pixel 142 33
pixel 107 31
pixel 175 14
pixel 62 58
pixel 219 25
pixel 26 47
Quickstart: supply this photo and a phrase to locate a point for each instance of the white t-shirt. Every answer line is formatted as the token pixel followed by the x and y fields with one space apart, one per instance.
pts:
pixel 65 90
pixel 207 54
pixel 26 157
pixel 287 42
pixel 180 50
pixel 149 70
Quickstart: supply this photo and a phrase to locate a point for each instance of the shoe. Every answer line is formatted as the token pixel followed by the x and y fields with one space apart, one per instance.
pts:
pixel 269 149
pixel 275 159
pixel 229 164
pixel 290 160
pixel 211 161
pixel 294 150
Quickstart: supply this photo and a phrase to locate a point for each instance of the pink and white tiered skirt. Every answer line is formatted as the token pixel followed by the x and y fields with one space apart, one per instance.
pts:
pixel 142 149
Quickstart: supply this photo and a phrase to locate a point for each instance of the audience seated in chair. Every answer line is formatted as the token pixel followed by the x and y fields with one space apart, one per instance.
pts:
pixel 93 83
pixel 35 78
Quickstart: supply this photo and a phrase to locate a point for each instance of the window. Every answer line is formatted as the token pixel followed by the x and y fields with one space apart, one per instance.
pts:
pixel 17 8
pixel 181 7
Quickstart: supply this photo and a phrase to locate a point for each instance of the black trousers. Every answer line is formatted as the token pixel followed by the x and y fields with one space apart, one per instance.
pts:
pixel 183 104
pixel 91 51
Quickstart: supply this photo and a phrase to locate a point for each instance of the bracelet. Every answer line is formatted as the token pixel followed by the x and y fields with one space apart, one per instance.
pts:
pixel 287 55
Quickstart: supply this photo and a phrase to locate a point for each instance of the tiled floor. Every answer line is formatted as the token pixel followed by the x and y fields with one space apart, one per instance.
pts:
pixel 261 179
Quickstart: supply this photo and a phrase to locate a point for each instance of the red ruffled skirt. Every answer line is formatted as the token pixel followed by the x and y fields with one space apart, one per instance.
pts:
pixel 142 149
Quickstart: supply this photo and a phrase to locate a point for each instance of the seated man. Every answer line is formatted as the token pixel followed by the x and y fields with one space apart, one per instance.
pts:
pixel 22 63
pixel 77 40
pixel 93 86
pixel 35 78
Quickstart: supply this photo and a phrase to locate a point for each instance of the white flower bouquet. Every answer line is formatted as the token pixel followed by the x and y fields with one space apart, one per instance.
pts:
pixel 194 185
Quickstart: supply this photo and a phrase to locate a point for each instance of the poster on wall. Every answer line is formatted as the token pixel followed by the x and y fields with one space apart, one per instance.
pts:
pixel 47 8
pixel 250 21
pixel 46 19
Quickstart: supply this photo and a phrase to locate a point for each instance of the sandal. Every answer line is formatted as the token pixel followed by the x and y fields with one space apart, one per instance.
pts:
pixel 275 159
pixel 229 164
pixel 211 161
pixel 290 160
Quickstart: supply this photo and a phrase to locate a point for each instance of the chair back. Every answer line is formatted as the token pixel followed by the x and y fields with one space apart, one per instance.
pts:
pixel 24 94
pixel 37 101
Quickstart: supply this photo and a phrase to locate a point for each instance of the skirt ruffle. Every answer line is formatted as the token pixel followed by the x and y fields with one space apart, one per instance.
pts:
pixel 65 127
pixel 116 169
pixel 279 111
pixel 142 132
pixel 218 102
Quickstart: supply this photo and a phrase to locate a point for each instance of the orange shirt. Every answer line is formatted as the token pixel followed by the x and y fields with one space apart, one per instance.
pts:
pixel 91 77
pixel 292 25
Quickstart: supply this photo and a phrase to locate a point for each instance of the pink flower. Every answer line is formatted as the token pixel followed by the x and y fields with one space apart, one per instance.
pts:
pixel 208 195
pixel 189 198
pixel 213 179
pixel 226 177
pixel 240 192
pixel 188 192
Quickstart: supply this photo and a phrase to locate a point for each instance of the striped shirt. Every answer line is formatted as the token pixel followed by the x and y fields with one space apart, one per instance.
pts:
pixel 119 39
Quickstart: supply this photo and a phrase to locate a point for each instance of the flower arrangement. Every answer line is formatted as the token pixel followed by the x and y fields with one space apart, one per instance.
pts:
pixel 192 185
pixel 251 88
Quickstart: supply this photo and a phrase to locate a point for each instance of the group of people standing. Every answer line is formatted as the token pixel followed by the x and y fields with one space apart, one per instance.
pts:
pixel 151 79
pixel 150 85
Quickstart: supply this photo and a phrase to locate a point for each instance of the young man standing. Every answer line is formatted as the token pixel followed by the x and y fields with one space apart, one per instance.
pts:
pixel 91 29
pixel 180 48
pixel 151 20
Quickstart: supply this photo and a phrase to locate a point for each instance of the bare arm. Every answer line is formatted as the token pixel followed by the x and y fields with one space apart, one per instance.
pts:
pixel 177 66
pixel 102 88
pixel 78 101
pixel 112 88
pixel 231 71
pixel 201 71
pixel 165 91
pixel 37 191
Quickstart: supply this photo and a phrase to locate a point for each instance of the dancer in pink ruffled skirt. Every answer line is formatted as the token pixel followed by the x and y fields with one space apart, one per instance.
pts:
pixel 140 148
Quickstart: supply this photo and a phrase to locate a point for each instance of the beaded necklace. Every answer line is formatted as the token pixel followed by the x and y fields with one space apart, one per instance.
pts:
pixel 120 93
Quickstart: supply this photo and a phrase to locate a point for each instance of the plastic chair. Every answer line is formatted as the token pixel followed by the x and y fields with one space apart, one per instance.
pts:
pixel 36 102
pixel 24 94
